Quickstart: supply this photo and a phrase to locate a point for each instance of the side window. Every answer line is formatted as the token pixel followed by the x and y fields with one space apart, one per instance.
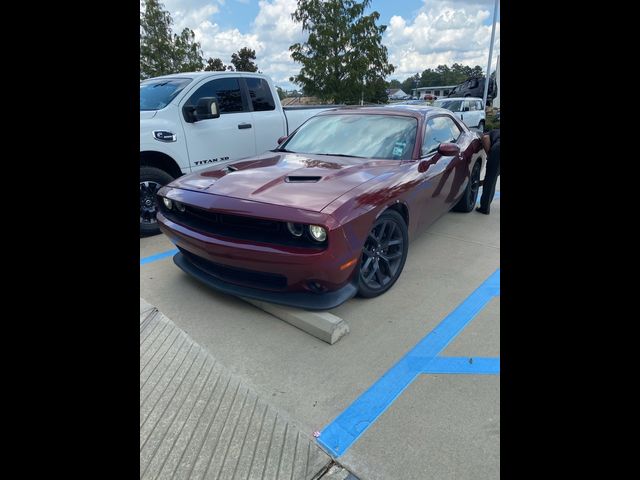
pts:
pixel 465 106
pixel 473 106
pixel 225 90
pixel 260 94
pixel 438 130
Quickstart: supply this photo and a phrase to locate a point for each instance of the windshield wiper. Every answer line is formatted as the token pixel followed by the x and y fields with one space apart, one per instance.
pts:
pixel 282 150
pixel 339 155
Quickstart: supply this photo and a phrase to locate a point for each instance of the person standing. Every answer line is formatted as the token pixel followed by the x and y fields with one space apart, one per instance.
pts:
pixel 491 144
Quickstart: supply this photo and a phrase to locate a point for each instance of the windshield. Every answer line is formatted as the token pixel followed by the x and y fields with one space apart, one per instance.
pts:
pixel 157 94
pixel 452 105
pixel 386 137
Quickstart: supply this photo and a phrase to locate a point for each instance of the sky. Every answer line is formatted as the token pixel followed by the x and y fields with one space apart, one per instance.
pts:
pixel 420 34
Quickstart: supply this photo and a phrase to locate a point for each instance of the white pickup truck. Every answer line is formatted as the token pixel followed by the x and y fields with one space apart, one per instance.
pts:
pixel 178 135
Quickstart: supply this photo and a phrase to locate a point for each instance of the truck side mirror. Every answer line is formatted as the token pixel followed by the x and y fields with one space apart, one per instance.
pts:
pixel 207 108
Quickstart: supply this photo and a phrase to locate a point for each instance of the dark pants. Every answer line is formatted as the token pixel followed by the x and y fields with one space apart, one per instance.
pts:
pixel 490 177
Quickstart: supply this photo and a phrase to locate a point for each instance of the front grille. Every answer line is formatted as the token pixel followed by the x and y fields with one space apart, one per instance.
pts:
pixel 239 227
pixel 240 276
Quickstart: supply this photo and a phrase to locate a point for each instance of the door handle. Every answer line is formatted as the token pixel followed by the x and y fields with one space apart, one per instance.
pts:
pixel 244 125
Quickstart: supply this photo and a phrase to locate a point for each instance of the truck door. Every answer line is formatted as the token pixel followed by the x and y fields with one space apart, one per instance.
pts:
pixel 228 137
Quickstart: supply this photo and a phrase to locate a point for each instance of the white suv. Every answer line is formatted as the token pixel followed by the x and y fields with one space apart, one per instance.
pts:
pixel 468 109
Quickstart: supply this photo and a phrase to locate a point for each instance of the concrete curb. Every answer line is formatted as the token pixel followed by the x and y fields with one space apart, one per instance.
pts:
pixel 199 421
pixel 323 325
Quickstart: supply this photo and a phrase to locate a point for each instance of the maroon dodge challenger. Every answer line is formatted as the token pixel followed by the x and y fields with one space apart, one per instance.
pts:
pixel 330 212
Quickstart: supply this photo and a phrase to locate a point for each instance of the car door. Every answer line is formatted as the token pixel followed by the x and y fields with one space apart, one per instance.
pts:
pixel 473 114
pixel 228 137
pixel 442 174
pixel 466 115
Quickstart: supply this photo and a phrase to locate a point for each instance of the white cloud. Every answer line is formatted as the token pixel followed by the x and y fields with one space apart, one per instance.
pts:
pixel 442 32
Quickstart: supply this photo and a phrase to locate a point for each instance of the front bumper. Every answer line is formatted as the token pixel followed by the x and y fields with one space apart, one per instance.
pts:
pixel 308 301
pixel 314 279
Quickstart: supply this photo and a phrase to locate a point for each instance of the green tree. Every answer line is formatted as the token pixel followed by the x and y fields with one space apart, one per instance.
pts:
pixel 394 84
pixel 343 58
pixel 243 60
pixel 281 93
pixel 410 83
pixel 187 55
pixel 161 51
pixel 215 65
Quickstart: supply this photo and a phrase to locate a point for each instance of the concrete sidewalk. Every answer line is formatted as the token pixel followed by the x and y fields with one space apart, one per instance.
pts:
pixel 198 420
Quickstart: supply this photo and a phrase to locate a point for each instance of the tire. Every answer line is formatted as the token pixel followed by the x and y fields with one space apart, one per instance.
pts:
pixel 470 196
pixel 481 126
pixel 151 179
pixel 381 263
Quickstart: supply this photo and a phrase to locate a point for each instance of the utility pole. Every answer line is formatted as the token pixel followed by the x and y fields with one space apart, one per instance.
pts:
pixel 493 34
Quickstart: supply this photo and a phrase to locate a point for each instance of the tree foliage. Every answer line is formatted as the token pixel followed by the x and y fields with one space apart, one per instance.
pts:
pixel 343 58
pixel 216 65
pixel 281 93
pixel 441 75
pixel 243 60
pixel 161 51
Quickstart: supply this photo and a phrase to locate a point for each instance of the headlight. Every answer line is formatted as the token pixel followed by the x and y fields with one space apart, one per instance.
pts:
pixel 296 229
pixel 179 206
pixel 318 233
pixel 167 202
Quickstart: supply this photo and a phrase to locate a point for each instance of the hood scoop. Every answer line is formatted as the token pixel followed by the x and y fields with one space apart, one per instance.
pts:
pixel 301 179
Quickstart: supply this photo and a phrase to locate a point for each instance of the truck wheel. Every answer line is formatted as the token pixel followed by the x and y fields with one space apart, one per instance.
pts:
pixel 151 180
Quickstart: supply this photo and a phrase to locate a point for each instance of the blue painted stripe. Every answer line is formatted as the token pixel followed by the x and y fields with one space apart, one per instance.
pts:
pixel 462 365
pixel 158 256
pixel 340 434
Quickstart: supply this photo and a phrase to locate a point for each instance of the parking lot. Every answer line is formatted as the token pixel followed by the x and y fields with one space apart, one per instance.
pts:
pixel 411 392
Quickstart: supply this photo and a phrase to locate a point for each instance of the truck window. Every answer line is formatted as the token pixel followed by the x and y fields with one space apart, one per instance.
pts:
pixel 157 94
pixel 225 90
pixel 260 94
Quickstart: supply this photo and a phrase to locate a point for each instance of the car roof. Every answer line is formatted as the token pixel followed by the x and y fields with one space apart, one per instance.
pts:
pixel 404 110
pixel 459 98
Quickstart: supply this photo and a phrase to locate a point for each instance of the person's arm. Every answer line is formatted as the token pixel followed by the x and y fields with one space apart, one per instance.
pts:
pixel 486 143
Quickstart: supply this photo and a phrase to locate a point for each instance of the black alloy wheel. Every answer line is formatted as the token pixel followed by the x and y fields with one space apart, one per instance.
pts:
pixel 383 255
pixel 470 196
pixel 151 180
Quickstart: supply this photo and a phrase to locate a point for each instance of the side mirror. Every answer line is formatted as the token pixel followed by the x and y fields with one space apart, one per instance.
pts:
pixel 282 139
pixel 465 109
pixel 207 108
pixel 448 149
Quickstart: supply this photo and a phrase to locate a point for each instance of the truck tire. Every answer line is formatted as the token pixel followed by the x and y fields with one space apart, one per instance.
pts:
pixel 151 180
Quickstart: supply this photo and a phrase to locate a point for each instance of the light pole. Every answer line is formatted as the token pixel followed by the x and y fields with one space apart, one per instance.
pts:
pixel 493 34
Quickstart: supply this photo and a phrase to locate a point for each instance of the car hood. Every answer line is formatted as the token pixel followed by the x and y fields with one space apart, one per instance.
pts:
pixel 309 182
